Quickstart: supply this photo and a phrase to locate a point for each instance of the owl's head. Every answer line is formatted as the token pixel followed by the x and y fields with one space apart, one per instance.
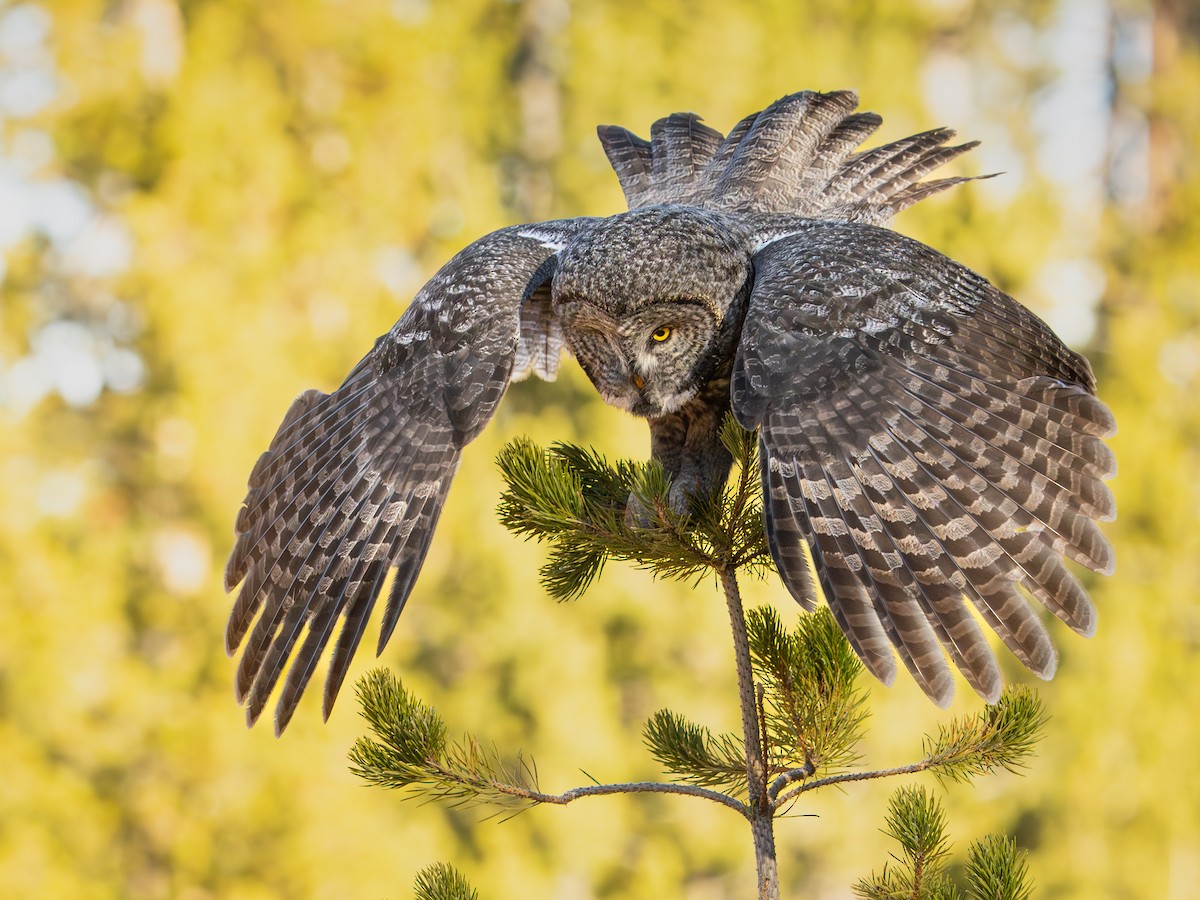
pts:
pixel 651 302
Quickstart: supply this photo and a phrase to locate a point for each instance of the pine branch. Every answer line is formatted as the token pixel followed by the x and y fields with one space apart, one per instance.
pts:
pixel 801 713
pixel 758 804
pixel 918 823
pixel 410 750
pixel 1001 736
pixel 692 754
pixel 575 500
pixel 995 869
pixel 815 715
pixel 441 881
pixel 409 733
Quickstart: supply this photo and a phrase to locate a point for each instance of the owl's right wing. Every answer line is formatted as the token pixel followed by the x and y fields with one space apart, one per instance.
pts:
pixel 353 482
pixel 927 439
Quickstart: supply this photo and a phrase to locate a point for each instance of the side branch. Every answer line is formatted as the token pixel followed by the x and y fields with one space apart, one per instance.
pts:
pixel 635 787
pixel 844 777
pixel 790 777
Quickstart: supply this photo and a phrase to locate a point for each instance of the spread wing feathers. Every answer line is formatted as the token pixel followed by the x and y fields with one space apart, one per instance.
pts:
pixel 929 440
pixel 796 156
pixel 353 482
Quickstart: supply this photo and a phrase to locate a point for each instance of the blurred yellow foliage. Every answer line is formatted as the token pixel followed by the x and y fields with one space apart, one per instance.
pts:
pixel 284 176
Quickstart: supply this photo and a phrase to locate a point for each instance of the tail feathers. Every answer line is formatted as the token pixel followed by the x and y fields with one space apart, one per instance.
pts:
pixel 732 141
pixel 907 197
pixel 795 157
pixel 631 158
pixel 681 147
pixel 873 186
pixel 773 165
pixel 666 168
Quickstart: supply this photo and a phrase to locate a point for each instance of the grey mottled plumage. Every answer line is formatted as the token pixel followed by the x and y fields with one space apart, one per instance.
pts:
pixel 923 435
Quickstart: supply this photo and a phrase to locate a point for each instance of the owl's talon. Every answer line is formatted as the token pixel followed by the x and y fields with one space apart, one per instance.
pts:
pixel 679 503
pixel 682 493
pixel 638 514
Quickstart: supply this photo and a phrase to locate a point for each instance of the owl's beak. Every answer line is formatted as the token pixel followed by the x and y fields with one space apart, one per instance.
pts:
pixel 638 381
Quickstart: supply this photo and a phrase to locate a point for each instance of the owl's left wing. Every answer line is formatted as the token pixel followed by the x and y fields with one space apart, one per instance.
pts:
pixel 927 439
pixel 353 482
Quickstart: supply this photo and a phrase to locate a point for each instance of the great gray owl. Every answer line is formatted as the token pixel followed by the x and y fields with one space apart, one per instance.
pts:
pixel 927 438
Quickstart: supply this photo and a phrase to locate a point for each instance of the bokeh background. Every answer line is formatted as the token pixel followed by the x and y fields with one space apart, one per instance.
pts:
pixel 207 206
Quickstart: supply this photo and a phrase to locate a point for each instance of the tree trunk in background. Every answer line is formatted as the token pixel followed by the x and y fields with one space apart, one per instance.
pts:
pixel 536 66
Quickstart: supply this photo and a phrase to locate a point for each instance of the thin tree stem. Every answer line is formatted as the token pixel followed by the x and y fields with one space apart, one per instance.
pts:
pixel 760 812
pixel 636 787
pixel 850 776
pixel 789 777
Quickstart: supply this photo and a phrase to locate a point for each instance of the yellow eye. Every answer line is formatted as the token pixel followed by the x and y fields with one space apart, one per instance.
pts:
pixel 661 333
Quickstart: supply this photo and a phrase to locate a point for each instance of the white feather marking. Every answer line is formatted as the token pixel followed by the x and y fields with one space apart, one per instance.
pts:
pixel 551 240
pixel 765 239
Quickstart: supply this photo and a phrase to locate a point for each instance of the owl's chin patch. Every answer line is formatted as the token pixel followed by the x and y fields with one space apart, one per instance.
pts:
pixel 643 408
pixel 656 407
pixel 635 403
pixel 675 401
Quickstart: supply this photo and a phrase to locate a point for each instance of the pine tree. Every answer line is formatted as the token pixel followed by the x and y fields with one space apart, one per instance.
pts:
pixel 802 713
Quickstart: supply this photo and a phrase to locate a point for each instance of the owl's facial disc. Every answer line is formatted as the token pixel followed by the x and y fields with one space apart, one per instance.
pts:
pixel 649 303
pixel 665 344
pixel 647 363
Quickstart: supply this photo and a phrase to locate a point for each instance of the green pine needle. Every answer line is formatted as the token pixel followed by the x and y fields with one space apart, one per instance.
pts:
pixel 996 870
pixel 814 712
pixel 572 498
pixel 916 820
pixel 441 881
pixel 1001 736
pixel 692 754
pixel 409 733
pixel 409 750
